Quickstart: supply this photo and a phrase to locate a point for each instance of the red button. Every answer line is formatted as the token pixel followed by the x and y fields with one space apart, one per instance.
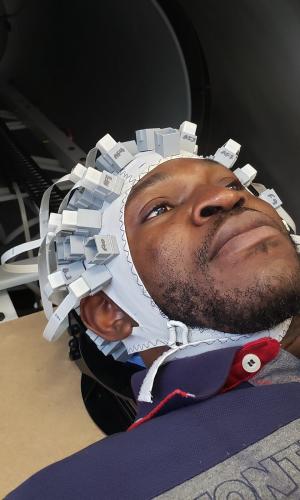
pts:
pixel 250 359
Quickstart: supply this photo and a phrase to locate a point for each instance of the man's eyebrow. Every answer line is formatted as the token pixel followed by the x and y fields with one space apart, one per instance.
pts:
pixel 148 182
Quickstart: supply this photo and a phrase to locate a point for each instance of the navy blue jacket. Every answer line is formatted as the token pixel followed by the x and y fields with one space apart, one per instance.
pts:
pixel 211 434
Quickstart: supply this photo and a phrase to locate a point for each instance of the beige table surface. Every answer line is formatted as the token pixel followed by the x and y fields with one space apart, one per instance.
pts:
pixel 42 415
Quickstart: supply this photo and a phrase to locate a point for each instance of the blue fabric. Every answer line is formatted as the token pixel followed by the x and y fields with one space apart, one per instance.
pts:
pixel 202 376
pixel 171 448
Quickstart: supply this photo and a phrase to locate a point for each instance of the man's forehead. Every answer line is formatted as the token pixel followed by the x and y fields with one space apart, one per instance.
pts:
pixel 171 169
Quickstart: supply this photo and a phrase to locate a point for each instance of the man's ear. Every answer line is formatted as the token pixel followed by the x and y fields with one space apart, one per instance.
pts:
pixel 101 315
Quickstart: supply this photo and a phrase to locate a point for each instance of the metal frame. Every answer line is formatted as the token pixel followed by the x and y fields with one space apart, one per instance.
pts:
pixel 61 146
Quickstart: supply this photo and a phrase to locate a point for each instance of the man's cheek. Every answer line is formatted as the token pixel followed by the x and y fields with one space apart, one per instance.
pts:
pixel 266 208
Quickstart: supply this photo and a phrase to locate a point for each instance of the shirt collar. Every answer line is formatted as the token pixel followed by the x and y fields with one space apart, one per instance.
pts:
pixel 185 381
pixel 202 376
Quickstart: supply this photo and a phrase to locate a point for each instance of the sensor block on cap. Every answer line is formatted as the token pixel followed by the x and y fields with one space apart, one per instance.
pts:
pixel 77 247
pixel 227 154
pixel 79 288
pixel 55 221
pixel 188 138
pixel 145 139
pixel 69 220
pixel 115 156
pixel 106 246
pixel 118 157
pixel 96 277
pixel 110 186
pixel 89 220
pixel 57 280
pixel 167 142
pixel 85 199
pixel 66 247
pixel 188 142
pixel 77 173
pixel 188 128
pixel 101 249
pixel 270 196
pixel 72 270
pixel 131 146
pixel 92 179
pixel 106 143
pixel 246 174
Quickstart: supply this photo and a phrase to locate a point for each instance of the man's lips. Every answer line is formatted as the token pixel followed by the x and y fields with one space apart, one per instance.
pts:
pixel 256 224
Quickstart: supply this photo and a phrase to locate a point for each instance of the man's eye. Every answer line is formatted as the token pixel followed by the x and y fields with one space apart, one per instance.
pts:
pixel 236 185
pixel 156 211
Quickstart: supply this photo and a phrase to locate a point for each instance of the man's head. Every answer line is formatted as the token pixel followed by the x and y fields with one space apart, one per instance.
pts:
pixel 210 253
pixel 194 245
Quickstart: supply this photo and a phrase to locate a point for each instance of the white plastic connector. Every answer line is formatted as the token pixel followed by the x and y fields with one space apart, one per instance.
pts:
pixel 101 249
pixel 145 139
pixel 80 288
pixel 106 143
pixel 115 188
pixel 69 220
pixel 54 223
pixel 66 248
pixel 227 154
pixel 57 280
pixel 72 271
pixel 60 250
pixel 131 146
pixel 188 128
pixel 90 220
pixel 117 158
pixel 246 174
pixel 233 146
pixel 270 196
pixel 187 142
pixel 78 172
pixel 96 278
pixel 77 247
pixel 167 142
pixel 91 179
pixel 110 186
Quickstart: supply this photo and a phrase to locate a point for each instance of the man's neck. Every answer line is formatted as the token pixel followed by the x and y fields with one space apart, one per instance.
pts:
pixel 291 341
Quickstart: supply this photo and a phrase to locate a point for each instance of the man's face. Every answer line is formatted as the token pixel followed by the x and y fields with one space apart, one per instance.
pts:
pixel 209 252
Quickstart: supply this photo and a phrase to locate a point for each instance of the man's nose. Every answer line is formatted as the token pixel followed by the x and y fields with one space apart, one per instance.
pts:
pixel 216 200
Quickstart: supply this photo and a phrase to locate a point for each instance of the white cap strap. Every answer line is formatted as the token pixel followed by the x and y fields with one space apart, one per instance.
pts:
pixel 296 240
pixel 24 247
pixel 175 337
pixel 44 208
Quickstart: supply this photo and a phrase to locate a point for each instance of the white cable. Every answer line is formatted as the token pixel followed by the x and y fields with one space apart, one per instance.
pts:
pixel 23 215
pixel 16 232
pixel 21 268
pixel 19 249
pixel 43 271
pixel 44 208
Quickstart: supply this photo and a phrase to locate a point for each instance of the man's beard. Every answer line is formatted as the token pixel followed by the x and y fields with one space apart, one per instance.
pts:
pixel 260 306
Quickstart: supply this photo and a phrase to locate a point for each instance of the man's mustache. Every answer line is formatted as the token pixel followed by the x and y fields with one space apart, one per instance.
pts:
pixel 202 254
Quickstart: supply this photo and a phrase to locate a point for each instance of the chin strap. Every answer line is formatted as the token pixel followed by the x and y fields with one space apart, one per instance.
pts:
pixel 178 339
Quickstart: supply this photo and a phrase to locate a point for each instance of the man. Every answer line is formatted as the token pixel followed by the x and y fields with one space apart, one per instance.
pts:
pixel 206 288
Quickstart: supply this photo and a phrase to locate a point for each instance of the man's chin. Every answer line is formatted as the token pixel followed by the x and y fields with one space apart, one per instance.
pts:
pixel 221 304
pixel 257 312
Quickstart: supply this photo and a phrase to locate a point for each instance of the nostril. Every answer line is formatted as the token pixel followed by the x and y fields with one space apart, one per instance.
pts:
pixel 208 211
pixel 239 203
